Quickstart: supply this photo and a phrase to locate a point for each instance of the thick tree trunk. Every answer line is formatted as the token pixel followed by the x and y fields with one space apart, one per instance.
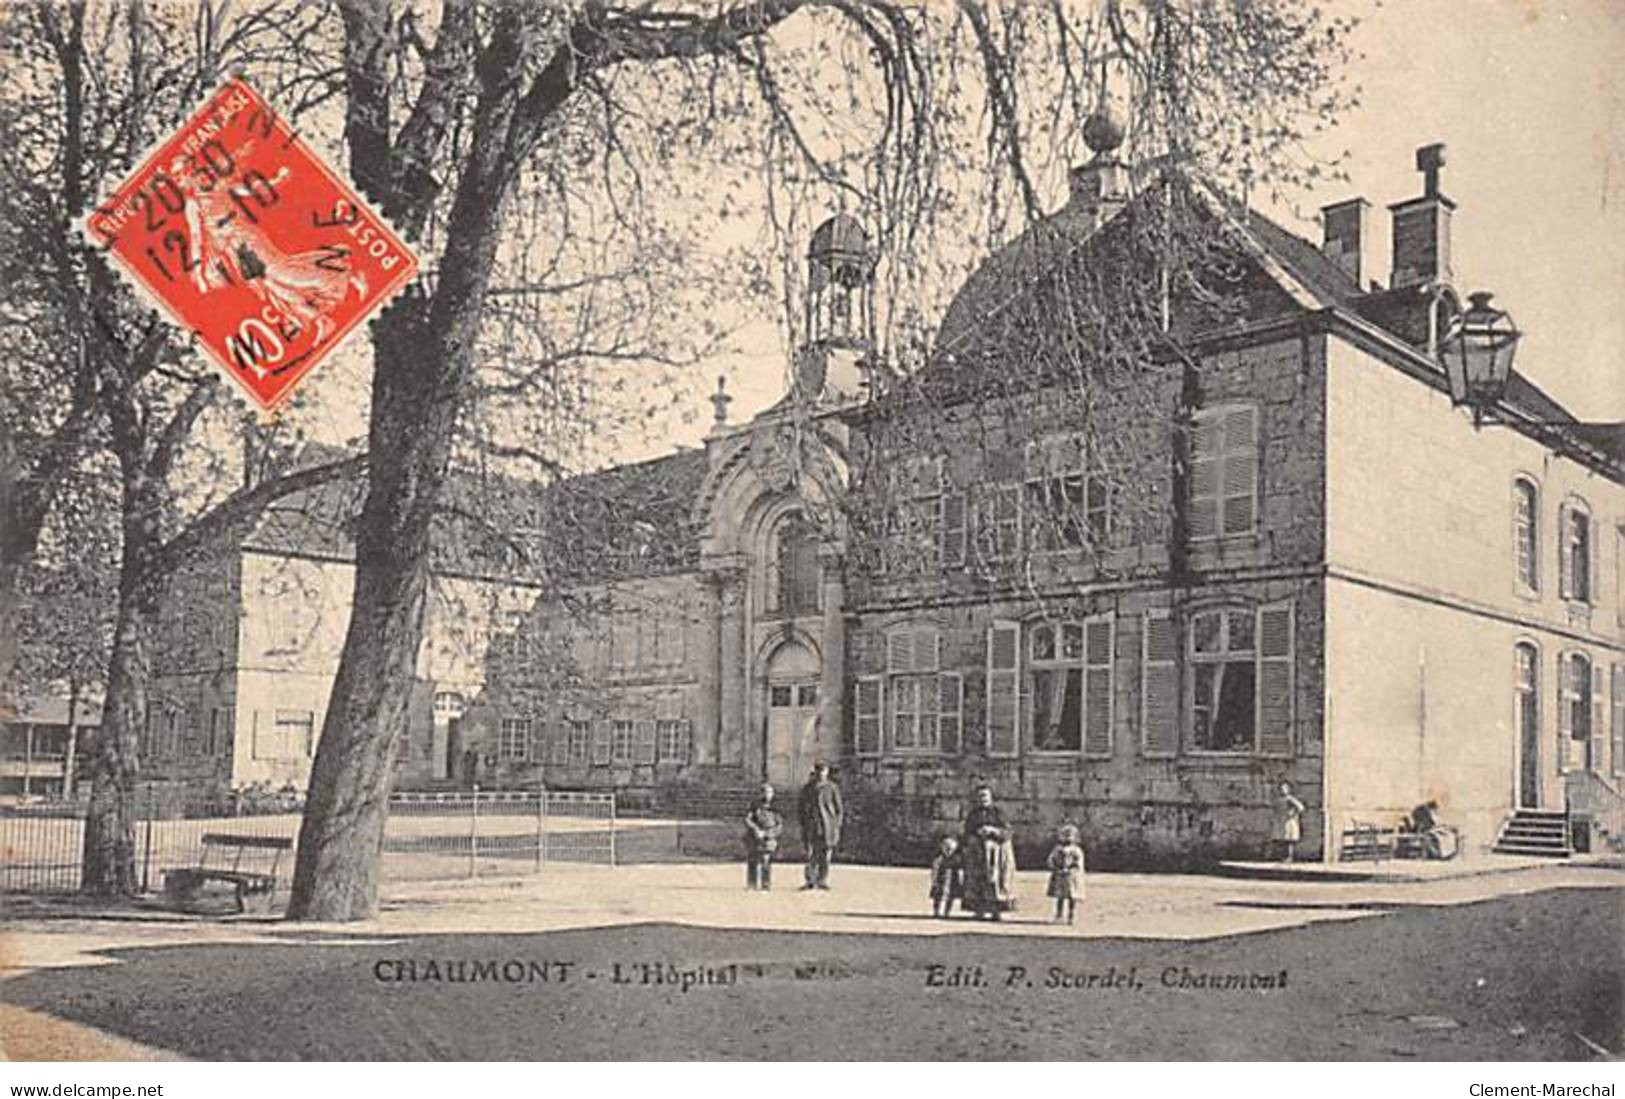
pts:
pixel 112 757
pixel 424 366
pixel 423 357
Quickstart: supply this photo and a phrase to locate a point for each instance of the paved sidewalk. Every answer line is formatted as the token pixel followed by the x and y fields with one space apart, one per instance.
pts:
pixel 876 900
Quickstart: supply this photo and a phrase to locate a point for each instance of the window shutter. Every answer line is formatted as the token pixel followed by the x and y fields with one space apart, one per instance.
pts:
pixel 1598 719
pixel 601 742
pixel 1565 713
pixel 927 649
pixel 866 714
pixel 953 530
pixel 1203 515
pixel 1617 753
pixel 644 747
pixel 899 652
pixel 1099 643
pixel 1003 695
pixel 950 711
pixel 1565 559
pixel 1159 686
pixel 1275 679
pixel 561 744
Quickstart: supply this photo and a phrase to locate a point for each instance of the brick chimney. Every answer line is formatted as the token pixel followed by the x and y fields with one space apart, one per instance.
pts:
pixel 1422 227
pixel 1346 237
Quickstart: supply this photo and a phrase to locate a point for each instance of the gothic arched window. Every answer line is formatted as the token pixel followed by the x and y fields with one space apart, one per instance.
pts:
pixel 795 590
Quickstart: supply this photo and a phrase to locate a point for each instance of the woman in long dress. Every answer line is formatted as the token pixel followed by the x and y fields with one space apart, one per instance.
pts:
pixel 990 859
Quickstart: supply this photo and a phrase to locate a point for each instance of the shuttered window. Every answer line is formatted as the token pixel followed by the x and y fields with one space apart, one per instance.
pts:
pixel 1275 695
pixel 1003 687
pixel 1159 686
pixel 866 715
pixel 1574 552
pixel 1224 472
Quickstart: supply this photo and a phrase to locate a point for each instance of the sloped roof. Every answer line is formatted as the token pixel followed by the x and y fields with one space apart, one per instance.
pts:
pixel 970 337
pixel 622 521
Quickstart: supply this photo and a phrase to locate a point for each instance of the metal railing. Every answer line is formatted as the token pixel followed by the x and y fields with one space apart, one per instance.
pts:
pixel 426 837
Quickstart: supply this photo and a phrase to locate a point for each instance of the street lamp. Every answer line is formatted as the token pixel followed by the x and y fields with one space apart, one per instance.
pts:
pixel 1477 355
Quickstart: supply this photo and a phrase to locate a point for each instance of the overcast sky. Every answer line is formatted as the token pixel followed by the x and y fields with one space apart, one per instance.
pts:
pixel 1527 97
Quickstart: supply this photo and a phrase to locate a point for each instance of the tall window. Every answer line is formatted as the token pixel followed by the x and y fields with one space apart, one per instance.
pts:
pixel 1574 552
pixel 1574 713
pixel 1224 472
pixel 796 558
pixel 998 523
pixel 675 740
pixel 580 737
pixel 1241 693
pixel 513 741
pixel 1526 533
pixel 917 534
pixel 925 702
pixel 621 741
pixel 1224 681
pixel 1066 505
pixel 447 705
pixel 1069 683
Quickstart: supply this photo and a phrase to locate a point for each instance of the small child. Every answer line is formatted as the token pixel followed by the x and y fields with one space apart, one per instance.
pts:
pixel 947 878
pixel 762 827
pixel 1066 873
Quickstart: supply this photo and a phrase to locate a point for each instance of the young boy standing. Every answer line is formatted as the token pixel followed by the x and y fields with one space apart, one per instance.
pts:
pixel 762 827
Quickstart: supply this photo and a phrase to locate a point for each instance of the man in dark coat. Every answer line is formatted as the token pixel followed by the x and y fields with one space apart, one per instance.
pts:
pixel 821 817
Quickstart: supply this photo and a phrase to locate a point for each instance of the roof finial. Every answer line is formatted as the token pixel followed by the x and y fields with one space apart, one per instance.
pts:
pixel 719 401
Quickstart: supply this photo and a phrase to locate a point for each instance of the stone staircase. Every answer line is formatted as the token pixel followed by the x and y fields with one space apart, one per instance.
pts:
pixel 1543 832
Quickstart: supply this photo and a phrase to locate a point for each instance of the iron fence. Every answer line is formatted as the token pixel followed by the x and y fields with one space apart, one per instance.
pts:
pixel 427 837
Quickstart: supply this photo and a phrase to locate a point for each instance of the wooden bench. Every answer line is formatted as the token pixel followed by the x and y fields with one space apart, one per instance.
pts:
pixel 254 884
pixel 1367 841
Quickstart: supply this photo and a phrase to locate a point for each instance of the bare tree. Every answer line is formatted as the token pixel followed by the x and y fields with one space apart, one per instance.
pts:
pixel 100 85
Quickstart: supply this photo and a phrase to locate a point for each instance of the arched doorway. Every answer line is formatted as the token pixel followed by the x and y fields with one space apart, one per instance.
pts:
pixel 792 714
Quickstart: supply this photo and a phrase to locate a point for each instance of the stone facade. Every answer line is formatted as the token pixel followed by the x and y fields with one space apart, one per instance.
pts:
pixel 1299 566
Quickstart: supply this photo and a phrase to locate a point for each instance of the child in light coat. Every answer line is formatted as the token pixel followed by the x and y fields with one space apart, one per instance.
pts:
pixel 1066 873
pixel 762 827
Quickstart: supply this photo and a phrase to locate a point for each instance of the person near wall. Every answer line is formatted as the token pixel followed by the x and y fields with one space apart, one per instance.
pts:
pixel 1288 829
pixel 1424 821
pixel 762 827
pixel 821 814
pixel 990 859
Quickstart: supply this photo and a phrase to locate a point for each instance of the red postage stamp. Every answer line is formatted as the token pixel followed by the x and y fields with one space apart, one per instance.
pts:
pixel 251 243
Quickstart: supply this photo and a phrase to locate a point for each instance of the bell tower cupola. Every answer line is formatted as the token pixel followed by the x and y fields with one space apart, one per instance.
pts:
pixel 840 315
